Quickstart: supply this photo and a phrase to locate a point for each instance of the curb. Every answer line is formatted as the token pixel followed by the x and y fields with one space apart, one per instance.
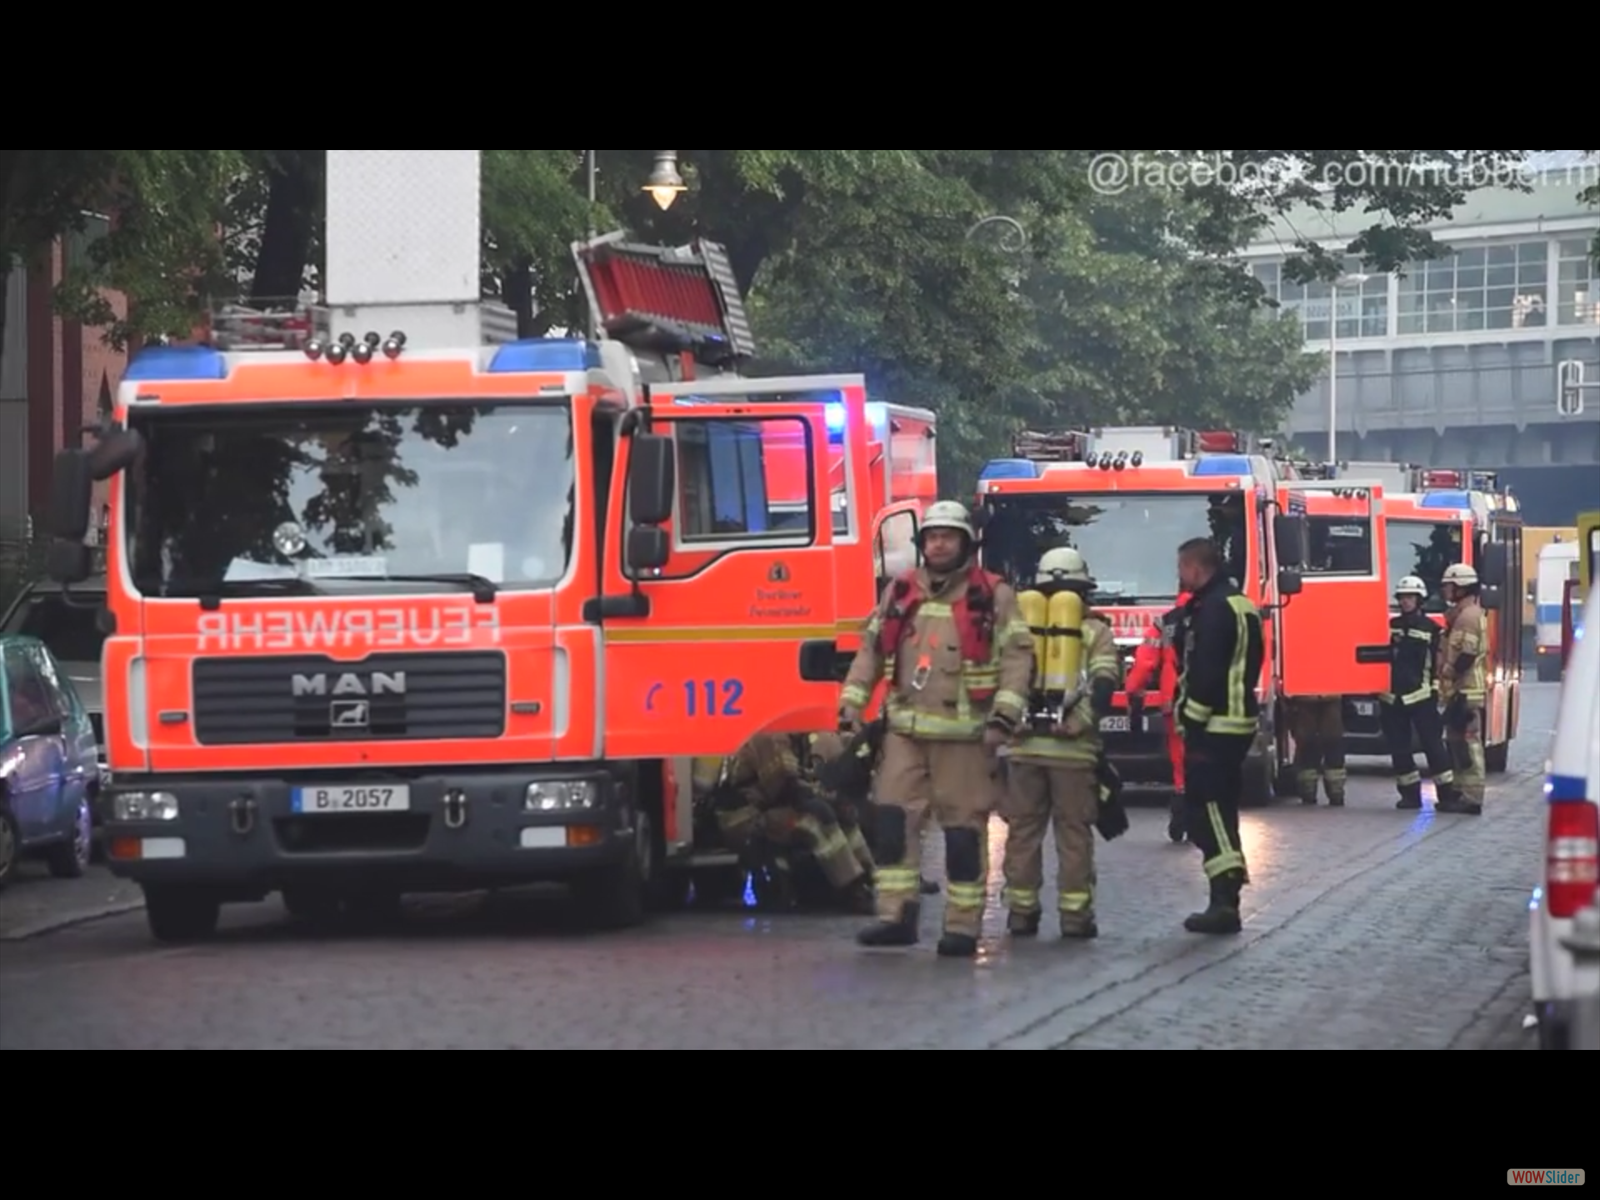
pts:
pixel 55 924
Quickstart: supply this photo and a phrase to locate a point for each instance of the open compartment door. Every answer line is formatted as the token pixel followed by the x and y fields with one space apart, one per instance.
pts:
pixel 735 631
pixel 1335 632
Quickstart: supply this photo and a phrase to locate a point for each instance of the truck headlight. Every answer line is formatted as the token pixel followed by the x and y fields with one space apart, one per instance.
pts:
pixel 561 795
pixel 144 806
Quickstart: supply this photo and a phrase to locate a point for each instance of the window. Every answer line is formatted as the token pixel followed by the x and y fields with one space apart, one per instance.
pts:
pixel 1340 545
pixel 70 631
pixel 1576 283
pixel 1478 287
pixel 897 550
pixel 76 245
pixel 27 693
pixel 740 479
pixel 1363 310
pixel 1424 549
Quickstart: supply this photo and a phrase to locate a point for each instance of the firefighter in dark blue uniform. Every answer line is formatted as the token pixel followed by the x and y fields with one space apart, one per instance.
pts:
pixel 1412 702
pixel 1217 705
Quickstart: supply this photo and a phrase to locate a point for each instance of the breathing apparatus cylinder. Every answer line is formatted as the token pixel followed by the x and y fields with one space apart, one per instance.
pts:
pixel 1064 659
pixel 1035 608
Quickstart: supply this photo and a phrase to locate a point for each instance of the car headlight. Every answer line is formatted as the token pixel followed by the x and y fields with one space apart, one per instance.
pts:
pixel 145 806
pixel 561 795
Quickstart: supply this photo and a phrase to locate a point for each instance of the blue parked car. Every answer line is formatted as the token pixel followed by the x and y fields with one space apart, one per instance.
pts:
pixel 49 764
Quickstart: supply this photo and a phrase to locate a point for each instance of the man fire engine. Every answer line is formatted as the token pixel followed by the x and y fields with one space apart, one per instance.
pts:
pixel 390 616
pixel 1125 498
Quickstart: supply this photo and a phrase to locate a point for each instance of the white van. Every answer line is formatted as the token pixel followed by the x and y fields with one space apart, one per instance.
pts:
pixel 1572 841
pixel 1558 562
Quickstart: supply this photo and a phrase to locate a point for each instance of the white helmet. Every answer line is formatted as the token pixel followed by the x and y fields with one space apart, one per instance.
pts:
pixel 1461 575
pixel 1062 565
pixel 948 514
pixel 1412 586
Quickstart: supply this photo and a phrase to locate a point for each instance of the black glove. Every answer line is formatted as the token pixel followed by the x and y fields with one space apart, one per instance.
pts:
pixel 1112 821
pixel 1458 713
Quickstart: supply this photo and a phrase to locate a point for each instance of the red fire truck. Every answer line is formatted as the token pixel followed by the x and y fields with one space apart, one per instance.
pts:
pixel 1126 498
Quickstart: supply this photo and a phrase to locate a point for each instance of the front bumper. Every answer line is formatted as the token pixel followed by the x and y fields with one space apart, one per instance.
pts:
pixel 463 829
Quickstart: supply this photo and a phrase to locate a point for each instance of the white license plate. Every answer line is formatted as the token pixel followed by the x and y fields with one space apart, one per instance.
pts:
pixel 1113 724
pixel 1365 708
pixel 351 799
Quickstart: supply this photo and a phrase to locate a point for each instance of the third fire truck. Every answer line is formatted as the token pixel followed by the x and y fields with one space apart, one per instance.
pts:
pixel 1127 497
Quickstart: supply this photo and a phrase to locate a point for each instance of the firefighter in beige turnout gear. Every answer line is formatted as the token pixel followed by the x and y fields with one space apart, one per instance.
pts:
pixel 1052 772
pixel 1463 687
pixel 957 656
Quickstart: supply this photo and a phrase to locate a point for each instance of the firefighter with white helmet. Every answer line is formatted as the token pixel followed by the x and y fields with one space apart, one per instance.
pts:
pixel 949 641
pixel 1411 705
pixel 1053 772
pixel 1462 686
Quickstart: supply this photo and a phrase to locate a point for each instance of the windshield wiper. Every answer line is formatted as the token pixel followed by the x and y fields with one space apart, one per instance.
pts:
pixel 211 592
pixel 483 588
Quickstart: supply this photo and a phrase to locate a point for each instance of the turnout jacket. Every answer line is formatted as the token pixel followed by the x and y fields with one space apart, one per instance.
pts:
pixel 1222 657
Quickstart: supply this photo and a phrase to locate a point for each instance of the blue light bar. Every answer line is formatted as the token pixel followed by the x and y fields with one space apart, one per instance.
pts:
pixel 1009 468
pixel 177 363
pixel 836 418
pixel 1446 500
pixel 545 354
pixel 1222 464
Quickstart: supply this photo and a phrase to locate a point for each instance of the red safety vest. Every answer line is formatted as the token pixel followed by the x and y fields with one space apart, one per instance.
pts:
pixel 974 617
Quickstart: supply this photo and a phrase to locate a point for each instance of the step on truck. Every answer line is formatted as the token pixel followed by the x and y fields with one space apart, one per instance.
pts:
pixel 1448 517
pixel 1127 498
pixel 396 611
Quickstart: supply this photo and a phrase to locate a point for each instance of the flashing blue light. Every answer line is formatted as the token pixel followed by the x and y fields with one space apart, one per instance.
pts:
pixel 1222 464
pixel 1009 468
pixel 177 362
pixel 878 415
pixel 545 354
pixel 1446 500
pixel 836 418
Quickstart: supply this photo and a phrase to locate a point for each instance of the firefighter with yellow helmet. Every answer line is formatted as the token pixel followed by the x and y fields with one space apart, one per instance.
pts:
pixel 949 641
pixel 1462 686
pixel 1052 775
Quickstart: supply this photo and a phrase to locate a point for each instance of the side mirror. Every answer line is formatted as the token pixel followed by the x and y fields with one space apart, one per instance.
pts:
pixel 71 490
pixel 114 453
pixel 652 479
pixel 1493 565
pixel 68 562
pixel 1289 581
pixel 647 549
pixel 1489 597
pixel 1291 538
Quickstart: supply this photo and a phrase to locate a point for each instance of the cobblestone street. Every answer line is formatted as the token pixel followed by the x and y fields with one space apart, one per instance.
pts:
pixel 1366 928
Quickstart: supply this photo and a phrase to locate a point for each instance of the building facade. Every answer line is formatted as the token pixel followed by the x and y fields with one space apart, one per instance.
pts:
pixel 1455 361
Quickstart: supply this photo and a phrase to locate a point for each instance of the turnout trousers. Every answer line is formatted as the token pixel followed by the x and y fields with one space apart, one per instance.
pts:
pixel 1066 796
pixel 1214 767
pixel 1400 723
pixel 1318 729
pixel 952 782
pixel 1466 756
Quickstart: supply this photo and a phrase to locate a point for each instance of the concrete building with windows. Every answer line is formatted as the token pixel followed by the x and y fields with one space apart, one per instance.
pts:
pixel 1454 361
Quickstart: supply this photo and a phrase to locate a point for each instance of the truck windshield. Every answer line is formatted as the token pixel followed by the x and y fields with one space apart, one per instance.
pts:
pixel 1423 549
pixel 1130 539
pixel 333 498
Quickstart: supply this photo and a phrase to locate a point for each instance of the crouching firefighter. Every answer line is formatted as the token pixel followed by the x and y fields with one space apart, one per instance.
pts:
pixel 1157 664
pixel 1462 687
pixel 1053 777
pixel 956 655
pixel 1411 705
pixel 762 802
pixel 1220 712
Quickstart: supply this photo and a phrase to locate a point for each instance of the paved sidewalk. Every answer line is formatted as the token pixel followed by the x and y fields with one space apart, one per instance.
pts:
pixel 35 903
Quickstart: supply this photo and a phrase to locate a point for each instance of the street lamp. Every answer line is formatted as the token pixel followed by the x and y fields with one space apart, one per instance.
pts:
pixel 1343 281
pixel 665 184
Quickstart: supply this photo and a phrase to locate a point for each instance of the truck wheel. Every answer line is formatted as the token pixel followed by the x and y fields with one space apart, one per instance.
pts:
pixel 1549 668
pixel 181 914
pixel 1260 781
pixel 1496 757
pixel 313 905
pixel 375 907
pixel 614 897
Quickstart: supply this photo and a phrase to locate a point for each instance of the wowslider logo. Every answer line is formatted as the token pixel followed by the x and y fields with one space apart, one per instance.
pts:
pixel 1549 1178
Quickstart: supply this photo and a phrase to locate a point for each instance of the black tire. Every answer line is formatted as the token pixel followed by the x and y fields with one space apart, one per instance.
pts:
pixel 71 858
pixel 374 907
pixel 10 844
pixel 311 904
pixel 1548 668
pixel 1496 757
pixel 614 897
pixel 1553 1034
pixel 1260 781
pixel 179 915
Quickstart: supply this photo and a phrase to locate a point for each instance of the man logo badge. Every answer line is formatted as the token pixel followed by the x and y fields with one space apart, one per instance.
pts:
pixel 778 574
pixel 349 714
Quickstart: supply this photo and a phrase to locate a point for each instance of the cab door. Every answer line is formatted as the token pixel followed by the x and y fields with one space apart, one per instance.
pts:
pixel 1335 632
pixel 735 634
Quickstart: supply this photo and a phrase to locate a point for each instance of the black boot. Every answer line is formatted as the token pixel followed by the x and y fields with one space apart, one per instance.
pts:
pixel 1222 913
pixel 1410 796
pixel 1022 924
pixel 892 933
pixel 1457 803
pixel 1177 824
pixel 957 945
